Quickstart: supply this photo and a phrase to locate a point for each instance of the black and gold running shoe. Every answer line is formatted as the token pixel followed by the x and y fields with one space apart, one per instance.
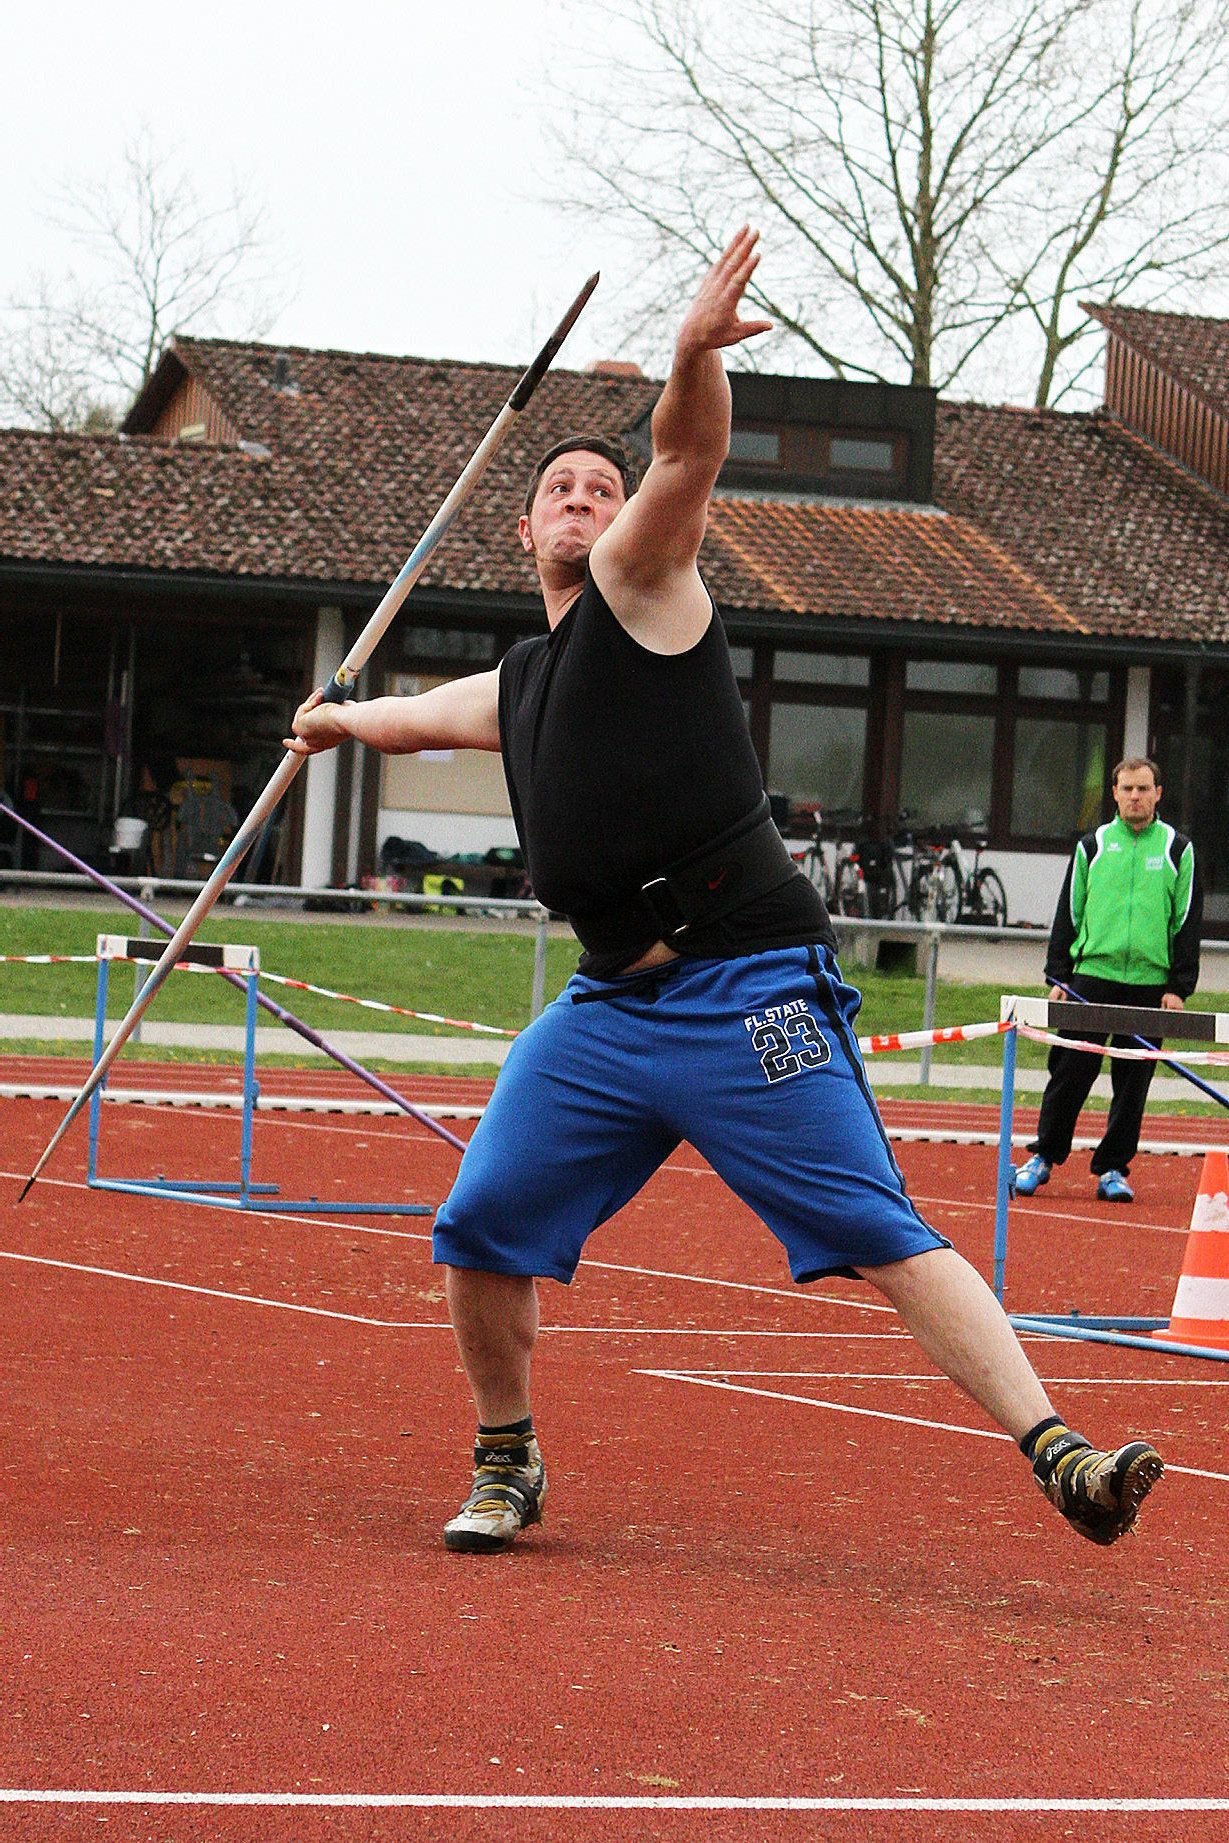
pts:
pixel 508 1493
pixel 1098 1493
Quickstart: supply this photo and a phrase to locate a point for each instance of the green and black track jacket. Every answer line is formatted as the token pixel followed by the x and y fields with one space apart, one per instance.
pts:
pixel 1131 909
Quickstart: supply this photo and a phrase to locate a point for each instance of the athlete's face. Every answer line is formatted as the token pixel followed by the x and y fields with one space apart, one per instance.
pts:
pixel 1136 795
pixel 578 496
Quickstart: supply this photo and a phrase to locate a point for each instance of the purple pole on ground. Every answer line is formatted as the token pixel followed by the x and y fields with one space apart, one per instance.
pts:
pixel 236 979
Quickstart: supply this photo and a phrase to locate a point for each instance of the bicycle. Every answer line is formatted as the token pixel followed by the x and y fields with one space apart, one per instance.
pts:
pixel 982 898
pixel 887 879
pixel 934 881
pixel 813 862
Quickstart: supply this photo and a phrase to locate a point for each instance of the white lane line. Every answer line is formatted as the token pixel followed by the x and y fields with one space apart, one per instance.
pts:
pixel 812 1401
pixel 528 1801
pixel 398 1324
pixel 862 1375
pixel 805 1295
pixel 213 1292
pixel 876 1414
pixel 1056 1215
pixel 799 1294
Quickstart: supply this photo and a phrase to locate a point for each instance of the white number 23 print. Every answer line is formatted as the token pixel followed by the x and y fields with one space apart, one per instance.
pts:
pixel 790 1046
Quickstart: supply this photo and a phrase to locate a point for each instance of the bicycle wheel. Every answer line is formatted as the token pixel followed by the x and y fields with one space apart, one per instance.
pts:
pixel 920 901
pixel 849 895
pixel 816 871
pixel 988 900
pixel 947 890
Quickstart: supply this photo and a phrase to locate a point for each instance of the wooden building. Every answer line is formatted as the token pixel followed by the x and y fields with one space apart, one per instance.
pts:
pixel 963 610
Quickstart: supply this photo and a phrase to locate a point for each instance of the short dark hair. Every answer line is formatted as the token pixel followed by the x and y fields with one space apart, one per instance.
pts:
pixel 609 449
pixel 1130 762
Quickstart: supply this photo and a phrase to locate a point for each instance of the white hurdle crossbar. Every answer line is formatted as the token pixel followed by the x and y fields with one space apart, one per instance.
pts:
pixel 1086 1020
pixel 245 1195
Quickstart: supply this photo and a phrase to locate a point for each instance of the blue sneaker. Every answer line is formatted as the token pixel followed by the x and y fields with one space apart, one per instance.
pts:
pixel 1029 1177
pixel 1114 1188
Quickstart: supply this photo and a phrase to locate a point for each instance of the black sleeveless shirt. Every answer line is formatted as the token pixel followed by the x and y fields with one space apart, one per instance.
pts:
pixel 620 761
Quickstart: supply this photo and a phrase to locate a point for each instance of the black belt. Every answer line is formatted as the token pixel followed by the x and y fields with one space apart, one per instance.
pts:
pixel 746 861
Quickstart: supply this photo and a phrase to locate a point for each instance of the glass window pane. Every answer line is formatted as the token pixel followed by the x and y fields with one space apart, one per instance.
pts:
pixel 1059 778
pixel 446 643
pixel 822 668
pixel 1070 687
pixel 755 445
pixel 742 661
pixel 817 752
pixel 866 457
pixel 959 675
pixel 946 767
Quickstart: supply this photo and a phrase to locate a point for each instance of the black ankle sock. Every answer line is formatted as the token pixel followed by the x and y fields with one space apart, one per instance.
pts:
pixel 1053 1423
pixel 518 1430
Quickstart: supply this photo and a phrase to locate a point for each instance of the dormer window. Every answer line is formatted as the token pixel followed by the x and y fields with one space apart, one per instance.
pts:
pixel 758 446
pixel 847 454
pixel 871 463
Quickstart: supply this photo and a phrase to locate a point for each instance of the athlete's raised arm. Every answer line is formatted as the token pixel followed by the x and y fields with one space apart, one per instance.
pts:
pixel 645 562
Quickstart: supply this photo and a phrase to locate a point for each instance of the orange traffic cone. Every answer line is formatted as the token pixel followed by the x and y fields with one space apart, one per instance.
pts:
pixel 1201 1302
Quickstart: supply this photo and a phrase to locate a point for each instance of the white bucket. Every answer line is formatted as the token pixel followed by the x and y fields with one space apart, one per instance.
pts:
pixel 129 834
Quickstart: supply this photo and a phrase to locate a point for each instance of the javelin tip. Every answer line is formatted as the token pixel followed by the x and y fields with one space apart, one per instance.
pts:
pixel 26 1187
pixel 546 357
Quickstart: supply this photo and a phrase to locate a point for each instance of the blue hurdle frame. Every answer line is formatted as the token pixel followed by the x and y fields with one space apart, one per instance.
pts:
pixel 245 1195
pixel 1135 1333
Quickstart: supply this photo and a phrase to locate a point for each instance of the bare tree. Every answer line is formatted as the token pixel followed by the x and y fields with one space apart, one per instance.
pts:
pixel 45 378
pixel 152 260
pixel 932 176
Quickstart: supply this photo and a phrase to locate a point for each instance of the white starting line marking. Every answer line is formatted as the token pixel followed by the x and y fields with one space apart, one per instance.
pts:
pixel 527 1801
pixel 703 1380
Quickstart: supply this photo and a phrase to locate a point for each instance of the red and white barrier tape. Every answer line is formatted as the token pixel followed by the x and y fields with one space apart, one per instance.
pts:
pixel 870 1046
pixel 296 985
pixel 921 1039
pixel 1206 1056
pixel 374 1004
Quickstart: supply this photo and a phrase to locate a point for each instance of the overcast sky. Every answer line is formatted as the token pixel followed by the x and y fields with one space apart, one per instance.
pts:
pixel 399 150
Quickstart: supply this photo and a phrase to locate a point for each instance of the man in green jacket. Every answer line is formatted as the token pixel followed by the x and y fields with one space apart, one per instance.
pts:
pixel 1126 932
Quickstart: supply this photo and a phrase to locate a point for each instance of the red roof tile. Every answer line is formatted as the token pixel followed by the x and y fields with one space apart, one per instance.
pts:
pixel 1050 523
pixel 871 563
pixel 1132 544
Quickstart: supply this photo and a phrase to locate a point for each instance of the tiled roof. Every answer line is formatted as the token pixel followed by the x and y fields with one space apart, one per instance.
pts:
pixel 1050 523
pixel 885 563
pixel 1194 350
pixel 359 461
pixel 1130 543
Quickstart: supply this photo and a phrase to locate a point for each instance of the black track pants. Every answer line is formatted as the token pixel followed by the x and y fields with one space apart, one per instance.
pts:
pixel 1073 1072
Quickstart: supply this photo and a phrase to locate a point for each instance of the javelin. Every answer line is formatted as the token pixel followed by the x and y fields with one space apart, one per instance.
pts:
pixel 237 979
pixel 338 689
pixel 1179 1068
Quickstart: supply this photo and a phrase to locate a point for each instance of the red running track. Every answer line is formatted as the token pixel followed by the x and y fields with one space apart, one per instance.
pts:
pixel 766 1574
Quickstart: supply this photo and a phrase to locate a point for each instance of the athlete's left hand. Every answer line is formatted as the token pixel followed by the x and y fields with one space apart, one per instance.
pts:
pixel 712 319
pixel 1171 1002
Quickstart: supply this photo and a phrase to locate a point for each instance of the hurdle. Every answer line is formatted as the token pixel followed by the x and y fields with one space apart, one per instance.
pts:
pixel 244 1195
pixel 1084 1019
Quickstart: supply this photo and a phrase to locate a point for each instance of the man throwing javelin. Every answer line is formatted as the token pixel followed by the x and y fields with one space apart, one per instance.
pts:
pixel 708 1005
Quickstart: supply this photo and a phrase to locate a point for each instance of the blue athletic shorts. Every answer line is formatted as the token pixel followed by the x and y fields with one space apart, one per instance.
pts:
pixel 752 1060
